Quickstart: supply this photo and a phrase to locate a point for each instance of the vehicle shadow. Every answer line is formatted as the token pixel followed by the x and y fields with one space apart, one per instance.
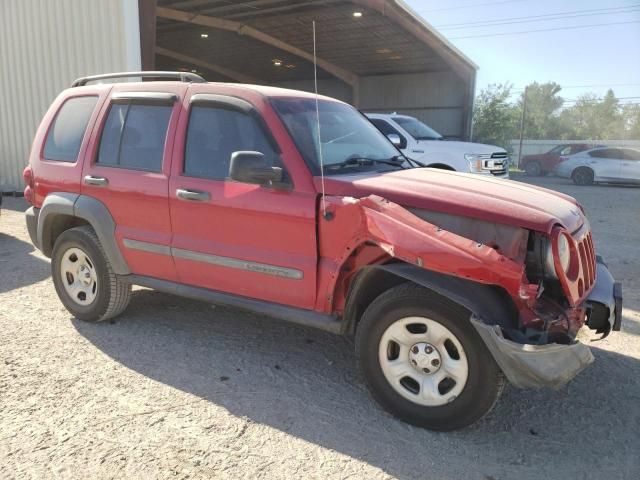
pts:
pixel 28 270
pixel 304 382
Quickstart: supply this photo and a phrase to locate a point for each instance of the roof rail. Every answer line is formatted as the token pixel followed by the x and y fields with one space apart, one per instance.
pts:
pixel 182 76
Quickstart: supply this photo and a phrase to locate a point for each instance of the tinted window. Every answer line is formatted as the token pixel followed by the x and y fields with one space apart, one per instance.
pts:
pixel 557 150
pixel 387 129
pixel 606 153
pixel 214 134
pixel 134 135
pixel 66 133
pixel 631 154
pixel 417 129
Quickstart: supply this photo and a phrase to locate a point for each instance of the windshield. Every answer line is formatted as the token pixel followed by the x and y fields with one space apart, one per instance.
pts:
pixel 417 129
pixel 345 135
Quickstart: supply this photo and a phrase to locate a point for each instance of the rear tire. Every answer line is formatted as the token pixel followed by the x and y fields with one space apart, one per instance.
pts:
pixel 409 330
pixel 84 279
pixel 533 169
pixel 582 176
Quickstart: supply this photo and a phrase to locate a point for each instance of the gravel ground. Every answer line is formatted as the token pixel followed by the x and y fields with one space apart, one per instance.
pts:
pixel 180 389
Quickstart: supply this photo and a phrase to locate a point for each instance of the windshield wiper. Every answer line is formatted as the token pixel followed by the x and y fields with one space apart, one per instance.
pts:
pixel 396 161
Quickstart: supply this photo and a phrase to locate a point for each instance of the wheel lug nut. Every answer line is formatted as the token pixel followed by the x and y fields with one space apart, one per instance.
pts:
pixel 435 362
pixel 414 363
pixel 415 349
pixel 428 349
pixel 426 370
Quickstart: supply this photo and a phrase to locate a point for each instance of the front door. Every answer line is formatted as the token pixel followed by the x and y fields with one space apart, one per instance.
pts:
pixel 249 240
pixel 129 172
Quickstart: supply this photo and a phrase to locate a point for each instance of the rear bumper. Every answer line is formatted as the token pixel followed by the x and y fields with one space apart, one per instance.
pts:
pixel 31 216
pixel 553 365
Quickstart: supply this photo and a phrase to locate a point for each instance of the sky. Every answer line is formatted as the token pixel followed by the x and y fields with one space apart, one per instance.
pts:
pixel 590 59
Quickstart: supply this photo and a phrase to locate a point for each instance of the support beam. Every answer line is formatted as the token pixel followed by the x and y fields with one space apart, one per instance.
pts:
pixel 227 72
pixel 241 29
pixel 147 22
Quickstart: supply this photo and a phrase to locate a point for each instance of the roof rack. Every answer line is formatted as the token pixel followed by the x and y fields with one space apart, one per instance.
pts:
pixel 182 76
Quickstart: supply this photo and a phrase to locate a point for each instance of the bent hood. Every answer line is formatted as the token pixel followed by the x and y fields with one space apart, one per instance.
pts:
pixel 467 195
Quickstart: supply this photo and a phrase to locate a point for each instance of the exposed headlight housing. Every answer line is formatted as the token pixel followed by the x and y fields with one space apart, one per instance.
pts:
pixel 564 255
pixel 541 258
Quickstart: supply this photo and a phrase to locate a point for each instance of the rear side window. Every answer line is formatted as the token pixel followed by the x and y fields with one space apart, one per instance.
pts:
pixel 214 134
pixel 134 135
pixel 65 135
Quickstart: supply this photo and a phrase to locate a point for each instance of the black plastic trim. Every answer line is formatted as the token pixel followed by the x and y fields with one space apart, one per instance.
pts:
pixel 307 318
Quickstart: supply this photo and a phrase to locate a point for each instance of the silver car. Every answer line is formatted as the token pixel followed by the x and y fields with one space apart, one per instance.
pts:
pixel 602 164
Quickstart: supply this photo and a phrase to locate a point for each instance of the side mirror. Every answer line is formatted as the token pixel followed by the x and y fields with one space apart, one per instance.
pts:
pixel 395 139
pixel 251 167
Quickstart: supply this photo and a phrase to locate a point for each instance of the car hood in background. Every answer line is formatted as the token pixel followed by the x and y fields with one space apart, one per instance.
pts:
pixel 453 146
pixel 467 195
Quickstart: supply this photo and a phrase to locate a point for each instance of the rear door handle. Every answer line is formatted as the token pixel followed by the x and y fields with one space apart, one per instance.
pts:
pixel 97 181
pixel 193 195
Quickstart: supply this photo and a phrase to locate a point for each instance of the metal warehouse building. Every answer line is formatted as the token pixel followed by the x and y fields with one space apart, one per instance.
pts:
pixel 375 54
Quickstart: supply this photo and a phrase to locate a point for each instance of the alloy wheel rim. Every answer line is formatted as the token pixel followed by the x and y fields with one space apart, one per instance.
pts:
pixel 423 361
pixel 79 276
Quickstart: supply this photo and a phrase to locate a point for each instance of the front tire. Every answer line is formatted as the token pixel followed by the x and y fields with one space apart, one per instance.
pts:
pixel 84 279
pixel 423 361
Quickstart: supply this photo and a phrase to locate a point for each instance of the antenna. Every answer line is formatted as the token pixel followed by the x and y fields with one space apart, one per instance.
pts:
pixel 315 85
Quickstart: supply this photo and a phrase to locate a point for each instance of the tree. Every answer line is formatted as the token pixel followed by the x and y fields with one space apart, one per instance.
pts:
pixel 592 118
pixel 543 104
pixel 495 120
pixel 631 121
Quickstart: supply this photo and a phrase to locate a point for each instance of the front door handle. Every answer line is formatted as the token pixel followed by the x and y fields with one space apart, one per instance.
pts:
pixel 193 195
pixel 97 181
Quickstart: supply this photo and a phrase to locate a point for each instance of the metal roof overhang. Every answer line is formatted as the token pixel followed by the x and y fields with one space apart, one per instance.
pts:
pixel 245 38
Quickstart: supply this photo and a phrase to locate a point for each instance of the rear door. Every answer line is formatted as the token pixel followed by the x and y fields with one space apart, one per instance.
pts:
pixel 631 165
pixel 244 239
pixel 606 163
pixel 128 171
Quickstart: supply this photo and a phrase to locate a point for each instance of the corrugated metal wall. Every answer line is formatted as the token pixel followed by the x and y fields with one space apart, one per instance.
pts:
pixel 44 46
pixel 438 99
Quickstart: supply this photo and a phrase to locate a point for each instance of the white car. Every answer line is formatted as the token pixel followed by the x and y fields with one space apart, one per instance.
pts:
pixel 421 143
pixel 603 164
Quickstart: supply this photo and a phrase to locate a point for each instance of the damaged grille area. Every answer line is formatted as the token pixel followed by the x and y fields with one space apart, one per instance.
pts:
pixel 587 256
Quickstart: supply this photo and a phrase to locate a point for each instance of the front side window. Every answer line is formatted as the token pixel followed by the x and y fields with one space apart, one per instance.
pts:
pixel 386 128
pixel 214 134
pixel 417 129
pixel 65 135
pixel 347 139
pixel 134 136
pixel 556 150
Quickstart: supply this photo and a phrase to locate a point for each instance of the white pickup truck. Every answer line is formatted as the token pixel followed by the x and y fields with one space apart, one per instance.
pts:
pixel 423 144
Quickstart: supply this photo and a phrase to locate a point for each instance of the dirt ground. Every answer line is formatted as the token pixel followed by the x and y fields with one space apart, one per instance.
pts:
pixel 180 389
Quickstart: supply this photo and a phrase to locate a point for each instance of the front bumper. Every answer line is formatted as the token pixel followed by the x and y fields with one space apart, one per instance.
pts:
pixel 604 304
pixel 553 365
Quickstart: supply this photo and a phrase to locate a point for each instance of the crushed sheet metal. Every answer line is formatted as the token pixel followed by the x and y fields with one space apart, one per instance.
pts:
pixel 407 237
pixel 534 366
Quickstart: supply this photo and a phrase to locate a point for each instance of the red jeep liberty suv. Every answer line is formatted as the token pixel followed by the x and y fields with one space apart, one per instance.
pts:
pixel 296 206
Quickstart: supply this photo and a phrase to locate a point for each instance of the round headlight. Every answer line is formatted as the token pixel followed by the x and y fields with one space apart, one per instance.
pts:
pixel 564 253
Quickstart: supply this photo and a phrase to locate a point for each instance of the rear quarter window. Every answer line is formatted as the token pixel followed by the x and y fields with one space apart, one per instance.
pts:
pixel 67 131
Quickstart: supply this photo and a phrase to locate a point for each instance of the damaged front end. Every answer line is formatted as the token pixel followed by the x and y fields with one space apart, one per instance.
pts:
pixel 527 316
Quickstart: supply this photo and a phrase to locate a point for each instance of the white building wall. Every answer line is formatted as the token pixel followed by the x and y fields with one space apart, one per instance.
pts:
pixel 44 46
